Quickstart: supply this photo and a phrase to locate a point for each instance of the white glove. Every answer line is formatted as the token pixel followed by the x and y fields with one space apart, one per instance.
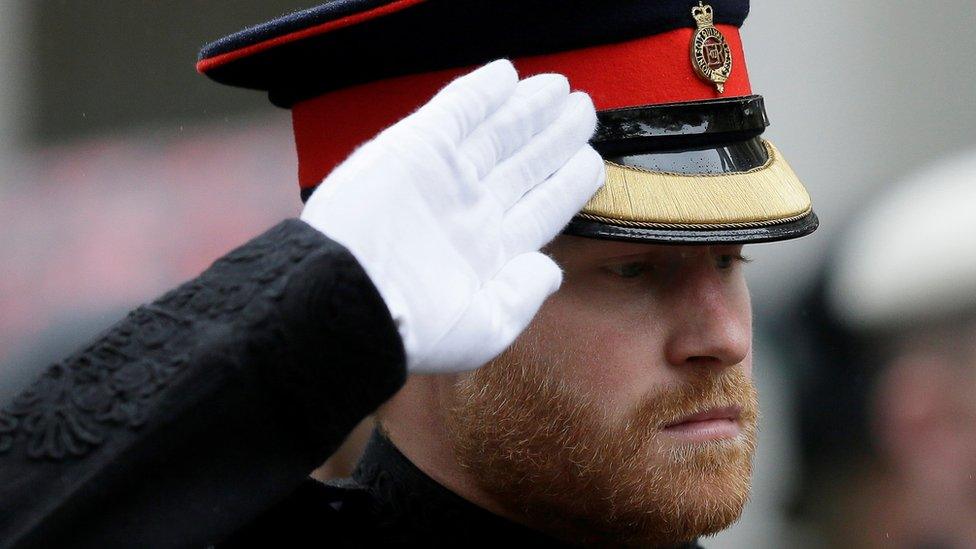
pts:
pixel 447 209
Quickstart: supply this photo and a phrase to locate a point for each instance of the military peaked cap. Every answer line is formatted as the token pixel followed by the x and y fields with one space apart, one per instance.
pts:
pixel 679 126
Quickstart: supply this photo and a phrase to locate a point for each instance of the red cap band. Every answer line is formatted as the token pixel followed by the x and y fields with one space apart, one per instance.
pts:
pixel 648 71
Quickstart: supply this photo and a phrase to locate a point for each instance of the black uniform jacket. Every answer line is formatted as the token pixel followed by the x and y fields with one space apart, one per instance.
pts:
pixel 196 420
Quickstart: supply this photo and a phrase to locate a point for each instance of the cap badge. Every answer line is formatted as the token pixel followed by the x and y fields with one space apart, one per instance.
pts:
pixel 710 54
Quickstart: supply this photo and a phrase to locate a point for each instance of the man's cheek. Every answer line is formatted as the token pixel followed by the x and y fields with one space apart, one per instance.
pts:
pixel 607 365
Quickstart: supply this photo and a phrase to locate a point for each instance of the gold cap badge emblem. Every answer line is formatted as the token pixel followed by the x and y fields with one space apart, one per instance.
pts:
pixel 710 54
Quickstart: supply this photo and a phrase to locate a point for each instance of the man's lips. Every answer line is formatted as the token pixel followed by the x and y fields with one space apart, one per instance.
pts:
pixel 714 423
pixel 730 413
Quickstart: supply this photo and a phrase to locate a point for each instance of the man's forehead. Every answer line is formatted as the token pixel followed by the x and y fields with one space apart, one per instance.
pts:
pixel 578 247
pixel 601 248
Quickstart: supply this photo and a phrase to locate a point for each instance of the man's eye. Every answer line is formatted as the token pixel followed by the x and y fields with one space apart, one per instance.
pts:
pixel 628 270
pixel 727 261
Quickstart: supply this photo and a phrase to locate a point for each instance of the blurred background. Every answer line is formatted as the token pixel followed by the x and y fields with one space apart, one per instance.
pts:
pixel 124 172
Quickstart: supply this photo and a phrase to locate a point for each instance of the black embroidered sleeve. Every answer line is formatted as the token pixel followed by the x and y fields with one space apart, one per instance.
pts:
pixel 198 411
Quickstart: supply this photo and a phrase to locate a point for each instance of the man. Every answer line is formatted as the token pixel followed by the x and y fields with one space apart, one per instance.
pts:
pixel 617 410
pixel 889 453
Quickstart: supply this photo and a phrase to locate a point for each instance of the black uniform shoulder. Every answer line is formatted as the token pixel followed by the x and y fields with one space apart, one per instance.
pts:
pixel 203 408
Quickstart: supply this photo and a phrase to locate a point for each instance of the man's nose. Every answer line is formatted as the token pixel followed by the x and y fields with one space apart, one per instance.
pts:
pixel 712 323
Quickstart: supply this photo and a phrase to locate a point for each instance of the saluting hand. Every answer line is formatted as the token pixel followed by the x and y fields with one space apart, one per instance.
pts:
pixel 447 210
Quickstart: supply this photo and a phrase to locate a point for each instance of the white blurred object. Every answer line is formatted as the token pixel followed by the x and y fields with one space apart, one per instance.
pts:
pixel 911 255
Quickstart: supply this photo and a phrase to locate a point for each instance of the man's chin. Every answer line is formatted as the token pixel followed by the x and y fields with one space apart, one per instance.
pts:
pixel 691 508
pixel 702 490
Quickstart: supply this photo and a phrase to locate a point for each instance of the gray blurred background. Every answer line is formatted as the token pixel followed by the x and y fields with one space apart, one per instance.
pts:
pixel 123 171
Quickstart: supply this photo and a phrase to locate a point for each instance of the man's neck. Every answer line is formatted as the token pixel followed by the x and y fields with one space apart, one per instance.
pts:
pixel 416 507
pixel 414 421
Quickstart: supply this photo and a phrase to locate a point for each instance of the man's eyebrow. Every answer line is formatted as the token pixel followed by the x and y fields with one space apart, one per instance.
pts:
pixel 629 253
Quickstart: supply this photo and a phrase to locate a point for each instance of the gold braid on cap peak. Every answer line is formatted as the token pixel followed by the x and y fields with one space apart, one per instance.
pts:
pixel 763 196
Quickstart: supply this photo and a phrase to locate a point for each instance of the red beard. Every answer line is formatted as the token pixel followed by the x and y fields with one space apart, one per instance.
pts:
pixel 553 458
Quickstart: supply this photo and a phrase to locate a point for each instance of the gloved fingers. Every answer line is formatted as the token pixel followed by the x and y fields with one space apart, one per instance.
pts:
pixel 466 102
pixel 546 153
pixel 496 315
pixel 545 210
pixel 518 290
pixel 536 102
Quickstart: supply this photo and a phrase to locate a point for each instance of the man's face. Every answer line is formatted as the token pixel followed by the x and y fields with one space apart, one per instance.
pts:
pixel 587 425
